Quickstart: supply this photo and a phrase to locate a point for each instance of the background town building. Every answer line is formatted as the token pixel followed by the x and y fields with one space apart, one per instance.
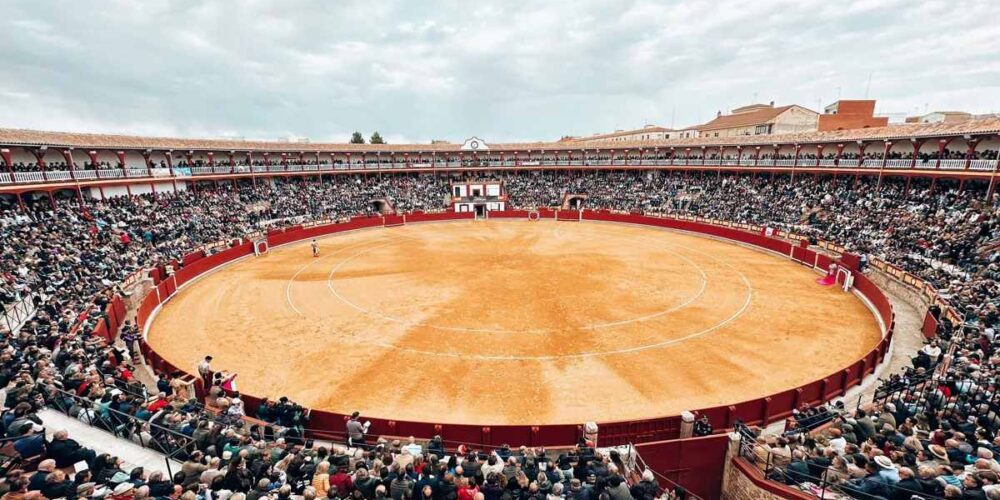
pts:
pixel 761 119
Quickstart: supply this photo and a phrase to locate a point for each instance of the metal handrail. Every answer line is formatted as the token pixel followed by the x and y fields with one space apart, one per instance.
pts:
pixel 15 315
pixel 808 424
pixel 126 427
pixel 772 472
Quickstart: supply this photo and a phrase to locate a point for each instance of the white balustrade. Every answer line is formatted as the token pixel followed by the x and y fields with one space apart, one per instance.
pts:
pixel 982 165
pixel 28 177
pixel 58 175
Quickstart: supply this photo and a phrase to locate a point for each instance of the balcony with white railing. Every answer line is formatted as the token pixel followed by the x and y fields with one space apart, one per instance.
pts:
pixel 29 177
pixel 110 173
pixel 39 177
pixel 951 164
pixel 982 165
pixel 58 175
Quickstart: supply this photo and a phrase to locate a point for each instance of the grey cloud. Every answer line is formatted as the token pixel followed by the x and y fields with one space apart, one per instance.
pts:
pixel 503 70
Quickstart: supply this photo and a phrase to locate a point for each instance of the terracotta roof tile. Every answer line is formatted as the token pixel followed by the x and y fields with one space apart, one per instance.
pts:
pixel 746 119
pixel 19 137
pixel 620 133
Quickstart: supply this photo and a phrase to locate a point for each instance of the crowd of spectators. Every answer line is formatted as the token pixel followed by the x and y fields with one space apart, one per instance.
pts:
pixel 932 433
pixel 947 237
pixel 69 255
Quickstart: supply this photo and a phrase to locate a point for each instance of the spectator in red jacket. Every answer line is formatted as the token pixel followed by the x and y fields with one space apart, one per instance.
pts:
pixel 342 480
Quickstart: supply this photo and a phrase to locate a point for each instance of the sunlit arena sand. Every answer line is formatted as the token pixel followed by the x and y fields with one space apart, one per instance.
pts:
pixel 516 322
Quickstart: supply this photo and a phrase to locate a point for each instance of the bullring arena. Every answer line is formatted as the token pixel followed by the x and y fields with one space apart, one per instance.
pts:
pixel 552 300
pixel 656 321
pixel 505 251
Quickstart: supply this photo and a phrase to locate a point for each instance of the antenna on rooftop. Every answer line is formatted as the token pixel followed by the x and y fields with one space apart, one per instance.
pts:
pixel 868 86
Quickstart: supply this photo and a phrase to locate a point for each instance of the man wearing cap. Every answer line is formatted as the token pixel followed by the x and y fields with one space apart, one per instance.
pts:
pixel 939 456
pixel 86 490
pixel 122 491
pixel 887 469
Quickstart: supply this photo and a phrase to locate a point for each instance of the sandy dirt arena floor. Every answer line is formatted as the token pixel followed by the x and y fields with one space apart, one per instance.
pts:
pixel 516 322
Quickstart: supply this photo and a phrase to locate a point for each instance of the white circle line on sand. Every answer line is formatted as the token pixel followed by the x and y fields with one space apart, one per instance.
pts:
pixel 288 286
pixel 657 345
pixel 703 278
pixel 746 305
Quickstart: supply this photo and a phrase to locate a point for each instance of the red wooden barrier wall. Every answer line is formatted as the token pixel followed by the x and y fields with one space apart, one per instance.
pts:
pixel 693 463
pixel 757 411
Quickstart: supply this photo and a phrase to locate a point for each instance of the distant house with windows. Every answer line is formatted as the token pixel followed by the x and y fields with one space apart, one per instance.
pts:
pixel 761 119
pixel 941 117
pixel 647 133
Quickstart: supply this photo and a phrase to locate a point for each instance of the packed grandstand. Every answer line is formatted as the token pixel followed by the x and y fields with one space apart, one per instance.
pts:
pixel 930 430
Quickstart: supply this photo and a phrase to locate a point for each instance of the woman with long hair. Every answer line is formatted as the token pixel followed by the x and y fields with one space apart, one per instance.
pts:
pixel 321 479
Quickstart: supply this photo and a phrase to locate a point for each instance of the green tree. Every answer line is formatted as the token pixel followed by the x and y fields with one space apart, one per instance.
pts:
pixel 357 138
pixel 376 138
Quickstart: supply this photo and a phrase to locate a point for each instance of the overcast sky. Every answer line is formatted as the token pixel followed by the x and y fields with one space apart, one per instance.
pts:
pixel 504 70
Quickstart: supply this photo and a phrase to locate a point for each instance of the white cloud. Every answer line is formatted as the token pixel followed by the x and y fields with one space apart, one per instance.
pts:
pixel 503 70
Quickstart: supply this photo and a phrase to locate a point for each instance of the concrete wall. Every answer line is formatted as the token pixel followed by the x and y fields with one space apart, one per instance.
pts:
pixel 795 120
pixel 740 485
